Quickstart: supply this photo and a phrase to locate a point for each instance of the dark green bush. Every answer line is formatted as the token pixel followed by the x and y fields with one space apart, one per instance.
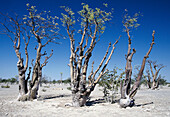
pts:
pixel 7 86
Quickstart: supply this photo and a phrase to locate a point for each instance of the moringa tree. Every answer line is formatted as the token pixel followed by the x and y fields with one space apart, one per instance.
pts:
pixel 155 78
pixel 15 29
pixel 41 27
pixel 44 29
pixel 92 26
pixel 127 93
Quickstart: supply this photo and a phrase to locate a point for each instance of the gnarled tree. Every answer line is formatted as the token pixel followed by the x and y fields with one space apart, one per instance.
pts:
pixel 92 26
pixel 155 78
pixel 41 27
pixel 16 31
pixel 127 93
pixel 44 29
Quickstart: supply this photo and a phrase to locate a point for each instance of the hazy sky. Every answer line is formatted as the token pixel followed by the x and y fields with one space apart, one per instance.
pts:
pixel 155 17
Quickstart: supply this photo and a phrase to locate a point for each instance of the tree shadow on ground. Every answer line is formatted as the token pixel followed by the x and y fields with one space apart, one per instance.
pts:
pixel 93 102
pixel 139 105
pixel 46 97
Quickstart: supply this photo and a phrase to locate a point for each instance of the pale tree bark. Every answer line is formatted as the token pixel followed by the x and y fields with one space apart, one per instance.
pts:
pixel 79 65
pixel 15 30
pixel 157 83
pixel 92 26
pixel 43 28
pixel 157 68
pixel 128 100
pixel 128 69
pixel 37 70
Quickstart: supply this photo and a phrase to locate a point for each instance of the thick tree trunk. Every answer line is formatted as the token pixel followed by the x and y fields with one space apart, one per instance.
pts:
pixel 80 98
pixel 36 78
pixel 128 100
pixel 22 83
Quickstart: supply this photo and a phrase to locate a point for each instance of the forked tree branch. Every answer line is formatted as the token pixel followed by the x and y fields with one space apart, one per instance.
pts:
pixel 104 67
pixel 137 83
pixel 101 63
pixel 46 59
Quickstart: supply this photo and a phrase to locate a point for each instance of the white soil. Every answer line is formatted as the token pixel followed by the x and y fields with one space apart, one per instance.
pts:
pixel 149 103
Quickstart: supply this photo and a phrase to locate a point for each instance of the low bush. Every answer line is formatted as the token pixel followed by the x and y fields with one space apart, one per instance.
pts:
pixel 7 86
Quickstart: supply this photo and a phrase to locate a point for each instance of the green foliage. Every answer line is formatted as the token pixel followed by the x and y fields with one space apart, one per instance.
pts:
pixel 44 90
pixel 13 80
pixel 41 23
pixel 46 86
pixel 162 81
pixel 7 86
pixel 110 83
pixel 54 81
pixel 9 80
pixel 44 79
pixel 88 16
pixel 69 88
pixel 67 20
pixel 66 81
pixel 130 22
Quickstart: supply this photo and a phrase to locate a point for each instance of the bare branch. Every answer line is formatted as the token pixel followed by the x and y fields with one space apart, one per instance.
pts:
pixel 137 83
pixel 104 67
pixel 90 76
pixel 101 63
pixel 32 63
pixel 46 59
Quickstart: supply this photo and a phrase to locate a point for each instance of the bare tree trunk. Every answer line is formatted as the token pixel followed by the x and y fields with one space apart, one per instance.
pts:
pixel 128 100
pixel 148 80
pixel 155 75
pixel 91 29
pixel 23 88
pixel 81 92
pixel 154 83
pixel 35 83
pixel 22 84
pixel 157 83
pixel 128 69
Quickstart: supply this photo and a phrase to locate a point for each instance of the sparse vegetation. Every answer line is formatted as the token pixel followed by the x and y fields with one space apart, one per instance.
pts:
pixel 9 80
pixel 37 29
pixel 44 90
pixel 6 86
pixel 110 82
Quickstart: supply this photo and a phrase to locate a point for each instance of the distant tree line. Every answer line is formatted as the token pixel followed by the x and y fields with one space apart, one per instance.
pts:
pixel 9 80
pixel 42 28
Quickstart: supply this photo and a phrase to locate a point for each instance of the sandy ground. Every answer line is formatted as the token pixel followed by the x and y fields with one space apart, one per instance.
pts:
pixel 52 102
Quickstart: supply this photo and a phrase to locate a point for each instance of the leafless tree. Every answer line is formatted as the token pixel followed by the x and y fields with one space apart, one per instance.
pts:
pixel 92 26
pixel 157 68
